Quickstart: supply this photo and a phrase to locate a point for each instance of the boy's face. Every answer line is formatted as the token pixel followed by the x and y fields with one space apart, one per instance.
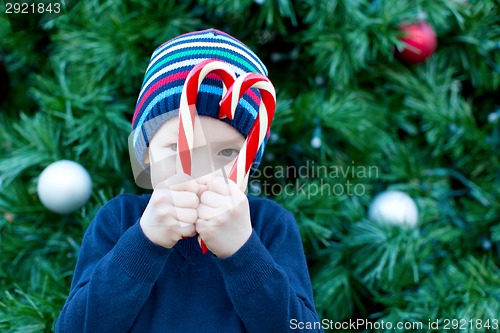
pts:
pixel 216 145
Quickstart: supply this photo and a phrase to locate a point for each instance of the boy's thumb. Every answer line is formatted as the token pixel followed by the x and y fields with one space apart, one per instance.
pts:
pixel 182 182
pixel 201 189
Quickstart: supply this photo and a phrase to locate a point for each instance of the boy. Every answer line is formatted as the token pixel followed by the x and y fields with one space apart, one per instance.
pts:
pixel 140 267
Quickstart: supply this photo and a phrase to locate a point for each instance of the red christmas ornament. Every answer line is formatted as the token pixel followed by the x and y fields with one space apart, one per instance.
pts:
pixel 420 42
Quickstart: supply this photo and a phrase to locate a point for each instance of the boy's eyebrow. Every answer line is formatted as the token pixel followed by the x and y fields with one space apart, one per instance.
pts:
pixel 170 135
pixel 234 141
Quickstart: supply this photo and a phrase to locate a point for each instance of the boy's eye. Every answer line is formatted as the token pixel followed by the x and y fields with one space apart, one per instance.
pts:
pixel 229 152
pixel 173 146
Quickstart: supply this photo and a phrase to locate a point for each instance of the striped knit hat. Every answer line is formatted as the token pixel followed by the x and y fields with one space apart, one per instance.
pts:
pixel 168 68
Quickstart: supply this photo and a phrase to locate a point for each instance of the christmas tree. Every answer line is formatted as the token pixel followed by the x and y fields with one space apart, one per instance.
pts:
pixel 356 117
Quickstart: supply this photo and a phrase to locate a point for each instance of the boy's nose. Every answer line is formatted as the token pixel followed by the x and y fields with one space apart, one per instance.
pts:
pixel 202 163
pixel 199 139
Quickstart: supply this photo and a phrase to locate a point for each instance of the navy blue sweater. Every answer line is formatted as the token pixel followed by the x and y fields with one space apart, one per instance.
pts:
pixel 123 282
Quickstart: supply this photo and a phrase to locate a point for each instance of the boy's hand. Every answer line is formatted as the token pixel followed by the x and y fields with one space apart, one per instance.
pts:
pixel 173 202
pixel 223 215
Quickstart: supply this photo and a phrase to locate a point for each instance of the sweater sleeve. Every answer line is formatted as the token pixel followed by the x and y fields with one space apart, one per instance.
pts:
pixel 113 271
pixel 268 281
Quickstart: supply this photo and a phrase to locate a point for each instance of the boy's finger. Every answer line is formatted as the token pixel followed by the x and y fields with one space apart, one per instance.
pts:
pixel 182 182
pixel 220 185
pixel 207 178
pixel 185 199
pixel 186 215
pixel 187 231
pixel 212 199
pixel 206 212
pixel 201 189
pixel 174 182
pixel 176 178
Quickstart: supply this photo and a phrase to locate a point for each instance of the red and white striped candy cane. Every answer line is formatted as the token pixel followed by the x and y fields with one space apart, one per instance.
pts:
pixel 229 103
pixel 187 111
pixel 241 167
pixel 187 108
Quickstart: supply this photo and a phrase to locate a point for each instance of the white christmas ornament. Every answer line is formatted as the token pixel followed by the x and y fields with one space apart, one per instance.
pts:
pixel 394 207
pixel 316 142
pixel 64 186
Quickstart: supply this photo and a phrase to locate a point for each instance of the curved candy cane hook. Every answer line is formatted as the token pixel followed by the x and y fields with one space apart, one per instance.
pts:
pixel 187 108
pixel 262 124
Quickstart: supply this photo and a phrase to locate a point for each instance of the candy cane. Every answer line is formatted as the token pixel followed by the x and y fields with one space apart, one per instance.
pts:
pixel 242 165
pixel 229 103
pixel 187 111
pixel 187 108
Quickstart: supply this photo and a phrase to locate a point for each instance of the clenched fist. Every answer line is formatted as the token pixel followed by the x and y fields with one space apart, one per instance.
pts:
pixel 213 206
pixel 223 215
pixel 171 213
